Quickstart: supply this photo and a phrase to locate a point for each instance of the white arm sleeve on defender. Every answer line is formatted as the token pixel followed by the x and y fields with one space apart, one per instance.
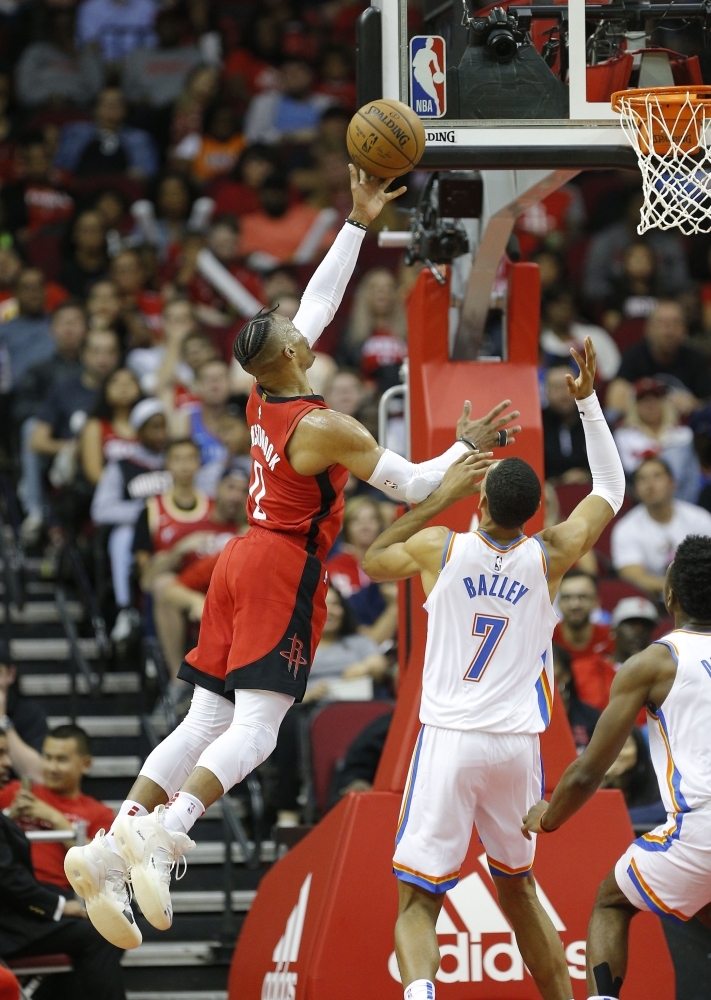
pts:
pixel 394 475
pixel 607 473
pixel 325 290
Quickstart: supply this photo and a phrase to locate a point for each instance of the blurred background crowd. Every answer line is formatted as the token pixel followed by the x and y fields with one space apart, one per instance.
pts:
pixel 134 137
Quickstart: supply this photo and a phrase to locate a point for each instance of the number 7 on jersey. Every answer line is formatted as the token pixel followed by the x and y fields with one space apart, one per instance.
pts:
pixel 490 628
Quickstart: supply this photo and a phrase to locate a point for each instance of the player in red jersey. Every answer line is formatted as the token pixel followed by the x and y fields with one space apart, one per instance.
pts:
pixel 265 608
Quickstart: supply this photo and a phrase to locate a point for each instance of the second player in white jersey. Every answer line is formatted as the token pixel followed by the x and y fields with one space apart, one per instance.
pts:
pixel 488 660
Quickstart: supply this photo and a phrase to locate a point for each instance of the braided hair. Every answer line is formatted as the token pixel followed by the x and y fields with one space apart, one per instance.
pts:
pixel 253 336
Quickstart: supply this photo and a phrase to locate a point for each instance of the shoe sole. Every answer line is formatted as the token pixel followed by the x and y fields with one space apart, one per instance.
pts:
pixel 112 926
pixel 131 848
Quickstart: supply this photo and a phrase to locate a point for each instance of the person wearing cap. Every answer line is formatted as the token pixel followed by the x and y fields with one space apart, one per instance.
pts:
pixel 120 497
pixel 633 623
pixel 645 539
pixel 21 718
pixel 666 354
pixel 652 428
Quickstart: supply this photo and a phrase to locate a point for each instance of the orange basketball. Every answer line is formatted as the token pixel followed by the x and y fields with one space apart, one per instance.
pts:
pixel 385 138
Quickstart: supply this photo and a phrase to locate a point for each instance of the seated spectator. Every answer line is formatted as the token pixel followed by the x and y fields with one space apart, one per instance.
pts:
pixel 53 72
pixel 234 433
pixel 120 497
pixel 155 366
pixel 103 307
pixel 177 592
pixel 566 458
pixel 175 380
pixel 645 539
pixel 664 354
pixel 89 261
pixel 376 339
pixel 108 435
pixel 116 27
pixel 652 428
pixel 345 391
pixel 212 388
pixel 356 771
pixel 112 206
pixel 65 409
pixel 633 623
pixel 57 802
pixel 337 79
pixel 561 330
pixel 141 308
pixel 251 68
pixel 577 634
pixel 289 114
pixel 156 75
pixel 239 194
pixel 606 251
pixel 200 89
pixel 21 719
pixel 362 523
pixel 27 339
pixel 224 240
pixel 167 229
pixel 282 232
pixel 582 718
pixel 214 152
pixel 39 920
pixel 68 328
pixel 633 296
pixel 107 146
pixel 36 200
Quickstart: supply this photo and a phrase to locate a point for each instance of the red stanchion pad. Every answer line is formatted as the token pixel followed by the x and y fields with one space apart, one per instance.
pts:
pixel 321 926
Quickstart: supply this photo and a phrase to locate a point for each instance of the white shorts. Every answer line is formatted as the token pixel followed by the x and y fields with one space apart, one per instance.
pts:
pixel 668 871
pixel 459 779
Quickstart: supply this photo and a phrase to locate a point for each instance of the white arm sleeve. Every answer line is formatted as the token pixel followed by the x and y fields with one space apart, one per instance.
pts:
pixel 608 476
pixel 325 290
pixel 397 477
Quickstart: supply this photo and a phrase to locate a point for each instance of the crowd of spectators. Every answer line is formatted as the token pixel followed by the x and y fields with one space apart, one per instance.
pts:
pixel 140 140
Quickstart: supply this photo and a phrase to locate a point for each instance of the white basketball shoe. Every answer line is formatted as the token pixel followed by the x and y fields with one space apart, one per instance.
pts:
pixel 100 877
pixel 151 852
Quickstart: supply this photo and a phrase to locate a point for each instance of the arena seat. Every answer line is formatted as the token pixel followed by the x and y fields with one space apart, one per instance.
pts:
pixel 333 729
pixel 569 496
pixel 30 971
pixel 611 592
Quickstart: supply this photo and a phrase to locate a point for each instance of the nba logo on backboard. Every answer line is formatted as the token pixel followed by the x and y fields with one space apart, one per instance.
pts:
pixel 427 76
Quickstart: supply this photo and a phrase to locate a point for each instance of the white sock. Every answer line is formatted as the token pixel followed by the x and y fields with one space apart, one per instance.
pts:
pixel 128 808
pixel 182 812
pixel 601 998
pixel 421 989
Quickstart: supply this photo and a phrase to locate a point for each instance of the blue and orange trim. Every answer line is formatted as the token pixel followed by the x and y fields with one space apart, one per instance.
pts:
pixel 501 870
pixel 545 696
pixel 656 842
pixel 409 788
pixel 448 546
pixel 497 546
pixel 433 883
pixel 544 556
pixel 655 904
pixel 670 646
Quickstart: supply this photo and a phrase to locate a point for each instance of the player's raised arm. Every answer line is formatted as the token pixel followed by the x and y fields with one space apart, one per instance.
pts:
pixel 644 678
pixel 567 542
pixel 325 290
pixel 405 549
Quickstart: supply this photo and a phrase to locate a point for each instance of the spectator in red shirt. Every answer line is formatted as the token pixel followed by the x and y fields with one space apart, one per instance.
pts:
pixel 362 523
pixel 58 803
pixel 576 634
pixel 376 338
pixel 35 200
pixel 239 194
pixel 633 622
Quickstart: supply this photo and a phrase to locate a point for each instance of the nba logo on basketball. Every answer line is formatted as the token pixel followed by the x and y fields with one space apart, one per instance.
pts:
pixel 427 76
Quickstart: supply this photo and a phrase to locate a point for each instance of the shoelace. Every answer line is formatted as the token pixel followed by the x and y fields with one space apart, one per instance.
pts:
pixel 120 884
pixel 165 864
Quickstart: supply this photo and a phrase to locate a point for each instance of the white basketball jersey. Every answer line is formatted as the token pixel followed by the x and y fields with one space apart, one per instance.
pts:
pixel 680 731
pixel 488 660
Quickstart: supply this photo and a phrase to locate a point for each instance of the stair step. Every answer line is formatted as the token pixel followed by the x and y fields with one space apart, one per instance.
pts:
pixel 212 852
pixel 170 953
pixel 50 649
pixel 182 995
pixel 101 725
pixel 115 767
pixel 41 612
pixel 206 901
pixel 38 685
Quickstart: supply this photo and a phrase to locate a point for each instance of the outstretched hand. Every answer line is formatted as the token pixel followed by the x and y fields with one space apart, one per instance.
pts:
pixel 464 477
pixel 484 433
pixel 582 386
pixel 532 821
pixel 370 195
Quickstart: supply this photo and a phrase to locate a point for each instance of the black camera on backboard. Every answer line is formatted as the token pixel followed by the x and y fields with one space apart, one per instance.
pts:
pixel 500 33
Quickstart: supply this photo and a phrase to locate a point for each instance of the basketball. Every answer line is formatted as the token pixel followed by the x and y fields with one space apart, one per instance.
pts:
pixel 385 138
pixel 438 77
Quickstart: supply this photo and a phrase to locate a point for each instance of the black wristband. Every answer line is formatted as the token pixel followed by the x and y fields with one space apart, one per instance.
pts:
pixel 468 442
pixel 358 225
pixel 543 828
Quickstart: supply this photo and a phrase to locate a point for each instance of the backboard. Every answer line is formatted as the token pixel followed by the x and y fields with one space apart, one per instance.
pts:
pixel 527 84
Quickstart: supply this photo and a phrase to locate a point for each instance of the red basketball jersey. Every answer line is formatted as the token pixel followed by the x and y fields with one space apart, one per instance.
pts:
pixel 279 498
pixel 168 523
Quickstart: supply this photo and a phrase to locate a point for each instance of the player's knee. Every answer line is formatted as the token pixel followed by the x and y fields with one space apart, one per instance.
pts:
pixel 609 895
pixel 263 739
pixel 515 892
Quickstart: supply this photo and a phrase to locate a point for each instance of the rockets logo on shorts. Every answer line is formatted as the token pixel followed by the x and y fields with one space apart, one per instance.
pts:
pixel 428 71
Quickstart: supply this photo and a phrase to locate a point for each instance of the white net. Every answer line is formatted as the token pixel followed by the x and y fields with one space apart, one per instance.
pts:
pixel 676 164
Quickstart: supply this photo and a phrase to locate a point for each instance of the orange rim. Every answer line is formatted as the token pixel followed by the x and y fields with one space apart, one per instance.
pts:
pixel 671 96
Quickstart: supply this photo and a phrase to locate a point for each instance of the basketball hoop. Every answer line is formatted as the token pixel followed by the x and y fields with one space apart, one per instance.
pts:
pixel 676 163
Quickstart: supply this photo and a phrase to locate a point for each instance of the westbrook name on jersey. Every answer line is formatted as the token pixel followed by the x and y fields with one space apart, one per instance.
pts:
pixel 488 660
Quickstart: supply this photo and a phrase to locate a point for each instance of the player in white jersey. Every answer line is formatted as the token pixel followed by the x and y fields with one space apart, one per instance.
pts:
pixel 667 871
pixel 487 690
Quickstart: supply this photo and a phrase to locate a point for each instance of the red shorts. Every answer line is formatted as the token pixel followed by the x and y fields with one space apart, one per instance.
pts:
pixel 263 617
